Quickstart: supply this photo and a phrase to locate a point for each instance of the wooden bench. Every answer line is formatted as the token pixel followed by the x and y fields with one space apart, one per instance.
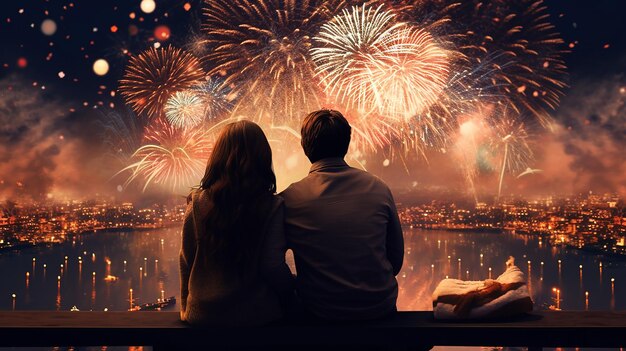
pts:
pixel 163 330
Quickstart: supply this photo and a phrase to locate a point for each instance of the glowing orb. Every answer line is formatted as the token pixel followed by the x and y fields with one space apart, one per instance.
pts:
pixel 22 62
pixel 48 27
pixel 101 67
pixel 147 6
pixel 162 33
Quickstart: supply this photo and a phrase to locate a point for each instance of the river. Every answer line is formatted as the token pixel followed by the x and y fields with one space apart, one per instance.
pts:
pixel 73 274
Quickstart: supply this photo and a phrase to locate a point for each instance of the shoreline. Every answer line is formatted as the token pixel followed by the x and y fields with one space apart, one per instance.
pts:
pixel 25 246
pixel 462 230
pixel 588 250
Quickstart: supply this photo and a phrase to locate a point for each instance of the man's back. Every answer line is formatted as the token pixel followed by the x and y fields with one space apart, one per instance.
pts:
pixel 342 226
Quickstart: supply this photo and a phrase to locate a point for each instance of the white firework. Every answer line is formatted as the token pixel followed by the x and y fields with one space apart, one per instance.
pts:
pixel 184 109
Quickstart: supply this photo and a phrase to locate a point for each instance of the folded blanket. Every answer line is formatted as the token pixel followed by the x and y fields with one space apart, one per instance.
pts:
pixel 505 296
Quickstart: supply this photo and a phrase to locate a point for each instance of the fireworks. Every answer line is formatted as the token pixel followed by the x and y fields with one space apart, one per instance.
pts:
pixel 510 136
pixel 121 134
pixel 390 72
pixel 410 75
pixel 261 47
pixel 375 64
pixel 370 134
pixel 407 74
pixel 217 99
pixel 345 50
pixel 524 50
pixel 469 136
pixel 492 139
pixel 173 158
pixel 184 109
pixel 153 76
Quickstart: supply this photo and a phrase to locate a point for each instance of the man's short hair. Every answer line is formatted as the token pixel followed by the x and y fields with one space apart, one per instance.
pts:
pixel 325 133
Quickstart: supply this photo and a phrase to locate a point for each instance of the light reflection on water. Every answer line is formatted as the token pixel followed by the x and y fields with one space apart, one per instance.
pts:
pixel 147 262
pixel 432 255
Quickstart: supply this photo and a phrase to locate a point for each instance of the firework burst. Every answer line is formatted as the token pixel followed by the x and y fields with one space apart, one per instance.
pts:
pixel 510 140
pixel 261 47
pixel 510 134
pixel 410 74
pixel 466 151
pixel 184 109
pixel 153 76
pixel 344 50
pixel 218 100
pixel 521 49
pixel 121 134
pixel 369 137
pixel 392 74
pixel 171 157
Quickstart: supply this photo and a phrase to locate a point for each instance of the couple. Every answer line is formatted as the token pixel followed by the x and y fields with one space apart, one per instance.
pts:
pixel 340 222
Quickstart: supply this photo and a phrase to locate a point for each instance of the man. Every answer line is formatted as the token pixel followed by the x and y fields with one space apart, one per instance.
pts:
pixel 343 228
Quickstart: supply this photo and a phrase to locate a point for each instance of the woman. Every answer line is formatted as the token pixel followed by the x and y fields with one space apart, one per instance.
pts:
pixel 232 259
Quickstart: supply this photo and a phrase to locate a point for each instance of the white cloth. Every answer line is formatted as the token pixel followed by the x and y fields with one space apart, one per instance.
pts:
pixel 459 287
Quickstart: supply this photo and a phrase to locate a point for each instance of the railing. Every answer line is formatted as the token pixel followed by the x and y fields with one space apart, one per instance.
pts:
pixel 413 330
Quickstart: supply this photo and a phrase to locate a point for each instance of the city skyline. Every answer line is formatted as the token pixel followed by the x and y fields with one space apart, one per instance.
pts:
pixel 592 222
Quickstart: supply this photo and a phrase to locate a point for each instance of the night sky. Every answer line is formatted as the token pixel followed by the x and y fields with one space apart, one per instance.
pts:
pixel 58 69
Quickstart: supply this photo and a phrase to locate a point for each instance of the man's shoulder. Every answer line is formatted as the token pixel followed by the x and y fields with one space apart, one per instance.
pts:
pixel 370 178
pixel 293 190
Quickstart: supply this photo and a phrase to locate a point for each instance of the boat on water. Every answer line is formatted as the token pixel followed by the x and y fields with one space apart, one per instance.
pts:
pixel 111 278
pixel 159 305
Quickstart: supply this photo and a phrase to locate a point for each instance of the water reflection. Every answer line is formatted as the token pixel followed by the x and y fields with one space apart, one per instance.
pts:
pixel 478 256
pixel 117 262
pixel 140 267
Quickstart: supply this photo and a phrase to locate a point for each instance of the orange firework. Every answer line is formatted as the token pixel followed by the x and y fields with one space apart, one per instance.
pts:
pixel 261 47
pixel 369 136
pixel 388 72
pixel 517 44
pixel 153 76
pixel 172 158
pixel 409 75
pixel 375 64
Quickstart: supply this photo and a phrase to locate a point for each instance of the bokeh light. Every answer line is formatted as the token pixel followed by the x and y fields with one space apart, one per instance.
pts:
pixel 22 62
pixel 162 33
pixel 147 6
pixel 101 67
pixel 48 27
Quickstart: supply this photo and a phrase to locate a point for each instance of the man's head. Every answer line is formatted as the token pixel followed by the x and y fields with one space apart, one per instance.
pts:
pixel 325 133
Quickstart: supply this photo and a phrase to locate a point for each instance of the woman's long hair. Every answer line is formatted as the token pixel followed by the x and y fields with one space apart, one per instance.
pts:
pixel 239 181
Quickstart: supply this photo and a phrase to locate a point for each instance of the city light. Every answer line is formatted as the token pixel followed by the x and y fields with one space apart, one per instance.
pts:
pixel 498 133
pixel 595 218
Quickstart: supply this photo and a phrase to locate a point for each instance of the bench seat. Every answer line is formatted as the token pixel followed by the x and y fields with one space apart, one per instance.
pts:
pixel 163 330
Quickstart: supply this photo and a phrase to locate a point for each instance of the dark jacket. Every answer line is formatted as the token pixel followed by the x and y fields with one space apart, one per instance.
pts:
pixel 211 294
pixel 343 228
